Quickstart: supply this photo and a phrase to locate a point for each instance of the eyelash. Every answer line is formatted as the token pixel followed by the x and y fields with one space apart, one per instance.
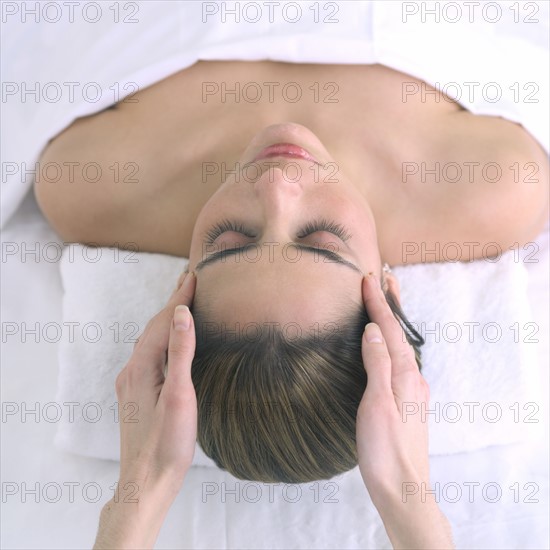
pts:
pixel 325 225
pixel 311 227
pixel 226 225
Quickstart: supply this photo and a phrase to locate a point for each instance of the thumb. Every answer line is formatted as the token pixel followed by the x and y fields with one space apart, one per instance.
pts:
pixel 181 349
pixel 376 360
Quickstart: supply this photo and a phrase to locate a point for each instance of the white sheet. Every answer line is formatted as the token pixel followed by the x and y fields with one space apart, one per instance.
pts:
pixel 31 293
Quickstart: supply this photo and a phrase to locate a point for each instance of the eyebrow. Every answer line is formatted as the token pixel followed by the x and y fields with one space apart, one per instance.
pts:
pixel 221 255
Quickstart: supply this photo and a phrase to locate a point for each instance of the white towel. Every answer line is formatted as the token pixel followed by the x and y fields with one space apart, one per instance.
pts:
pixel 110 295
pixel 480 353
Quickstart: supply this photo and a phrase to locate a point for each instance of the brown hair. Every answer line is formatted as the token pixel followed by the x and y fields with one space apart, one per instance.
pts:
pixel 272 409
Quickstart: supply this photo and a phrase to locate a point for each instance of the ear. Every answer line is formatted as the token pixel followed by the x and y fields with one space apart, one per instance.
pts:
pixel 392 284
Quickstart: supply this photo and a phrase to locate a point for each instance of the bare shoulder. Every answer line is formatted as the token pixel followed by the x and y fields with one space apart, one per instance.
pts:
pixel 90 177
pixel 508 202
pixel 483 180
pixel 72 171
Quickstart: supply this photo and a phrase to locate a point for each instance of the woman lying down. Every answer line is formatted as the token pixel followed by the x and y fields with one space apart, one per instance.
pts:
pixel 292 226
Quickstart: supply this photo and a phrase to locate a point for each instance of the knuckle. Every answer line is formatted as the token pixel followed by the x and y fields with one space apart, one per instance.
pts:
pixel 176 348
pixel 388 319
pixel 425 388
pixel 379 404
pixel 154 320
pixel 179 400
pixel 408 379
pixel 133 372
pixel 149 324
pixel 407 355
pixel 179 349
pixel 181 279
pixel 365 408
pixel 155 344
pixel 159 349
pixel 137 340
pixel 363 411
pixel 377 354
pixel 385 312
pixel 416 385
pixel 120 382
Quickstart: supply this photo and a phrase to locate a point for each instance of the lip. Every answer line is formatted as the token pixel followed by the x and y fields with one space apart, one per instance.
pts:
pixel 289 150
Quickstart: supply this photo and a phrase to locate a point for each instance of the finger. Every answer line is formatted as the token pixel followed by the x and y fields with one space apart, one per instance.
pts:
pixel 376 361
pixel 185 290
pixel 177 397
pixel 378 310
pixel 153 343
pixel 181 349
pixel 178 287
pixel 181 278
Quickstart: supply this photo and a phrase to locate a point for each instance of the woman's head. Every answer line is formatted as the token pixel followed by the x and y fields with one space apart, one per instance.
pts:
pixel 280 251
pixel 278 407
pixel 305 226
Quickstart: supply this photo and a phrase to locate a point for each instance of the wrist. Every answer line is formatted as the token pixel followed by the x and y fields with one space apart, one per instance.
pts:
pixel 135 514
pixel 423 527
pixel 148 489
pixel 412 517
pixel 390 488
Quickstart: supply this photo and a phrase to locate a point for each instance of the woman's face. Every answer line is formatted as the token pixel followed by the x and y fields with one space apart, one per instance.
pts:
pixel 286 239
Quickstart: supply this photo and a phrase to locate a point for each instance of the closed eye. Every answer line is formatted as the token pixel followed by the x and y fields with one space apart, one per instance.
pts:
pixel 227 225
pixel 310 228
pixel 325 225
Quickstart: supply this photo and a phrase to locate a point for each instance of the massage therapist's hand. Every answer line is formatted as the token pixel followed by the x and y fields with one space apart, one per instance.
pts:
pixel 158 425
pixel 392 445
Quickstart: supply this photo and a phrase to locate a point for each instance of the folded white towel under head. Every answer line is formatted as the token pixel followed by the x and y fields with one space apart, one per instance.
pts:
pixel 478 359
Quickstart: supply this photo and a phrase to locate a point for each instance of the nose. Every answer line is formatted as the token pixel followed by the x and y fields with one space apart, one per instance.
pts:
pixel 279 186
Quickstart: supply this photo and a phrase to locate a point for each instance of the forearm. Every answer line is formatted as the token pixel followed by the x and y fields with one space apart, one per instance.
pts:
pixel 122 528
pixel 415 521
pixel 133 519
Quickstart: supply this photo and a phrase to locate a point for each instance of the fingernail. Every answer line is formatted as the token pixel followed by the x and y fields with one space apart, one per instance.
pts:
pixel 373 334
pixel 182 318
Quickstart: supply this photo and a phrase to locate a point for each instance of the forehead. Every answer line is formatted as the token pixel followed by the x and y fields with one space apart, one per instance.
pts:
pixel 275 290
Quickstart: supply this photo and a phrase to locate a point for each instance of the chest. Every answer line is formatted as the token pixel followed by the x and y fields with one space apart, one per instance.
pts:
pixel 190 129
pixel 182 136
